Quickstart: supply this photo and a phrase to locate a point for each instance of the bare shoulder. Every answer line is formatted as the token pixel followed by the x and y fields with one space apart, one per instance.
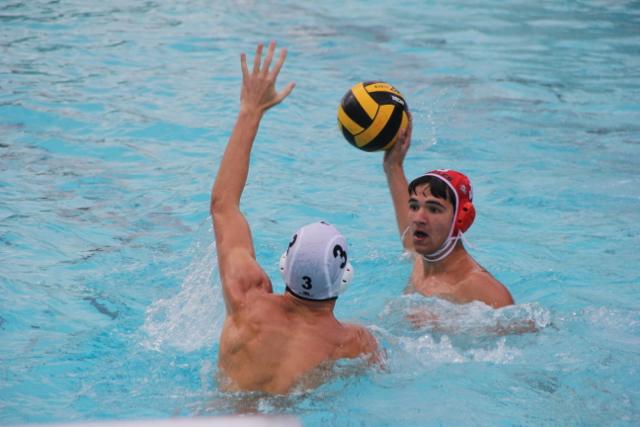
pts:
pixel 358 340
pixel 482 286
pixel 242 277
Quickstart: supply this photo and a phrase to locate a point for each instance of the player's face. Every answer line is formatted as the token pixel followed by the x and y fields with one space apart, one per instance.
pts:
pixel 430 219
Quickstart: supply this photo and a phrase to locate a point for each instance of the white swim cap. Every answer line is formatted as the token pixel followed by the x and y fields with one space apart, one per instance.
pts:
pixel 315 266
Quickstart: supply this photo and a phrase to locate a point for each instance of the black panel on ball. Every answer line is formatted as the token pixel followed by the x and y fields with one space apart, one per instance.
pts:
pixel 354 110
pixel 388 132
pixel 348 136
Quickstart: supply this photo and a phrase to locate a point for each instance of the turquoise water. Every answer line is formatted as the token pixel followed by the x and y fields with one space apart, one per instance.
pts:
pixel 113 118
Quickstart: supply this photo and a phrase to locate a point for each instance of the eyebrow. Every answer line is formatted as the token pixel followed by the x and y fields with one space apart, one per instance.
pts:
pixel 428 202
pixel 434 202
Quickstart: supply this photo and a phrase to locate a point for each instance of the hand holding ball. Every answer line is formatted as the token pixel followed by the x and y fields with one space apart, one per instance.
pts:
pixel 371 114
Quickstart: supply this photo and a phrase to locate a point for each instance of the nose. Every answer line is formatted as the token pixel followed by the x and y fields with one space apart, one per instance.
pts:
pixel 419 216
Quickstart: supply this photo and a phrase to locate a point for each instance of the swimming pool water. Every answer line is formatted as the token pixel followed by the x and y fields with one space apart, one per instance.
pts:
pixel 113 118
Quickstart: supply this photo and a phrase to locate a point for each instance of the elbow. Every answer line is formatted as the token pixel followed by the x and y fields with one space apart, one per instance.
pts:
pixel 217 202
pixel 222 203
pixel 225 199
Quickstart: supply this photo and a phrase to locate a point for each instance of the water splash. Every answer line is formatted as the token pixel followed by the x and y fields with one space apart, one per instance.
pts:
pixel 436 315
pixel 191 319
pixel 422 333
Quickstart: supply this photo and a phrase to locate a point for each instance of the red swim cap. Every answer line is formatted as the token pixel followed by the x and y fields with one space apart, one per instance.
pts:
pixel 461 186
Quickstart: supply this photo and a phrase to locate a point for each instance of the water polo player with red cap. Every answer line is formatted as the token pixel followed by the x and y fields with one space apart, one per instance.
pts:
pixel 432 217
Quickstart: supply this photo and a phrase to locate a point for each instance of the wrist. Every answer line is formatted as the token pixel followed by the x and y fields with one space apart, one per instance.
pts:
pixel 250 112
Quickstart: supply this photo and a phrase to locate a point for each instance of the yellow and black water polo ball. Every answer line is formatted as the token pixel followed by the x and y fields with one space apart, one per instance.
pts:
pixel 371 114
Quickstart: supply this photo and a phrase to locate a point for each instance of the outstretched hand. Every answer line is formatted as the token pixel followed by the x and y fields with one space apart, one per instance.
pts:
pixel 259 86
pixel 394 157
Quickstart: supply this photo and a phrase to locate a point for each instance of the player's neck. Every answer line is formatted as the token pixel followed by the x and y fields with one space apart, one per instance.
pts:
pixel 451 262
pixel 308 306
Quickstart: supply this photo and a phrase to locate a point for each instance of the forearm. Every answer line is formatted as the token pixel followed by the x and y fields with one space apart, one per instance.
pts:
pixel 397 182
pixel 234 168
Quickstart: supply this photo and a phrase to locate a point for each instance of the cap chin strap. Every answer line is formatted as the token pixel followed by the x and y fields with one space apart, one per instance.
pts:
pixel 444 250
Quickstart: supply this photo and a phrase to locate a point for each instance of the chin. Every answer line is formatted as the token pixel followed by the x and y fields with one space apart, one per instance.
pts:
pixel 423 248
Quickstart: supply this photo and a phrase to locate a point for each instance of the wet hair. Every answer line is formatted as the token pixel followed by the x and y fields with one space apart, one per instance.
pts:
pixel 438 188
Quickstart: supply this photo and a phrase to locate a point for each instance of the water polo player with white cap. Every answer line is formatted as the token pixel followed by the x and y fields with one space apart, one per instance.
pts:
pixel 270 342
pixel 432 213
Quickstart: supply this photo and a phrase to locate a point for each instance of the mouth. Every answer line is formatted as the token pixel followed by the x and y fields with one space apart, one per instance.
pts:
pixel 419 235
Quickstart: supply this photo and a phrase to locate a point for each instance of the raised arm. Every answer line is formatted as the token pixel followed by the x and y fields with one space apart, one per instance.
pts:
pixel 239 271
pixel 396 179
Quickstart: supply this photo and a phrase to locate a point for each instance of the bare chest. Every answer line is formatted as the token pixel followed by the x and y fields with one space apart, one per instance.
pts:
pixel 445 286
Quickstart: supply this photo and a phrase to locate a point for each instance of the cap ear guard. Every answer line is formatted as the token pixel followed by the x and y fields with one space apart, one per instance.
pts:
pixel 283 263
pixel 466 215
pixel 347 277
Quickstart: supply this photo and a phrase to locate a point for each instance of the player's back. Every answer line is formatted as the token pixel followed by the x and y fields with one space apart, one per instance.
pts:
pixel 273 340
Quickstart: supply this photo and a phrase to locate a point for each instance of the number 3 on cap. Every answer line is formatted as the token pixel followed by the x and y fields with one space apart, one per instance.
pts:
pixel 338 251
